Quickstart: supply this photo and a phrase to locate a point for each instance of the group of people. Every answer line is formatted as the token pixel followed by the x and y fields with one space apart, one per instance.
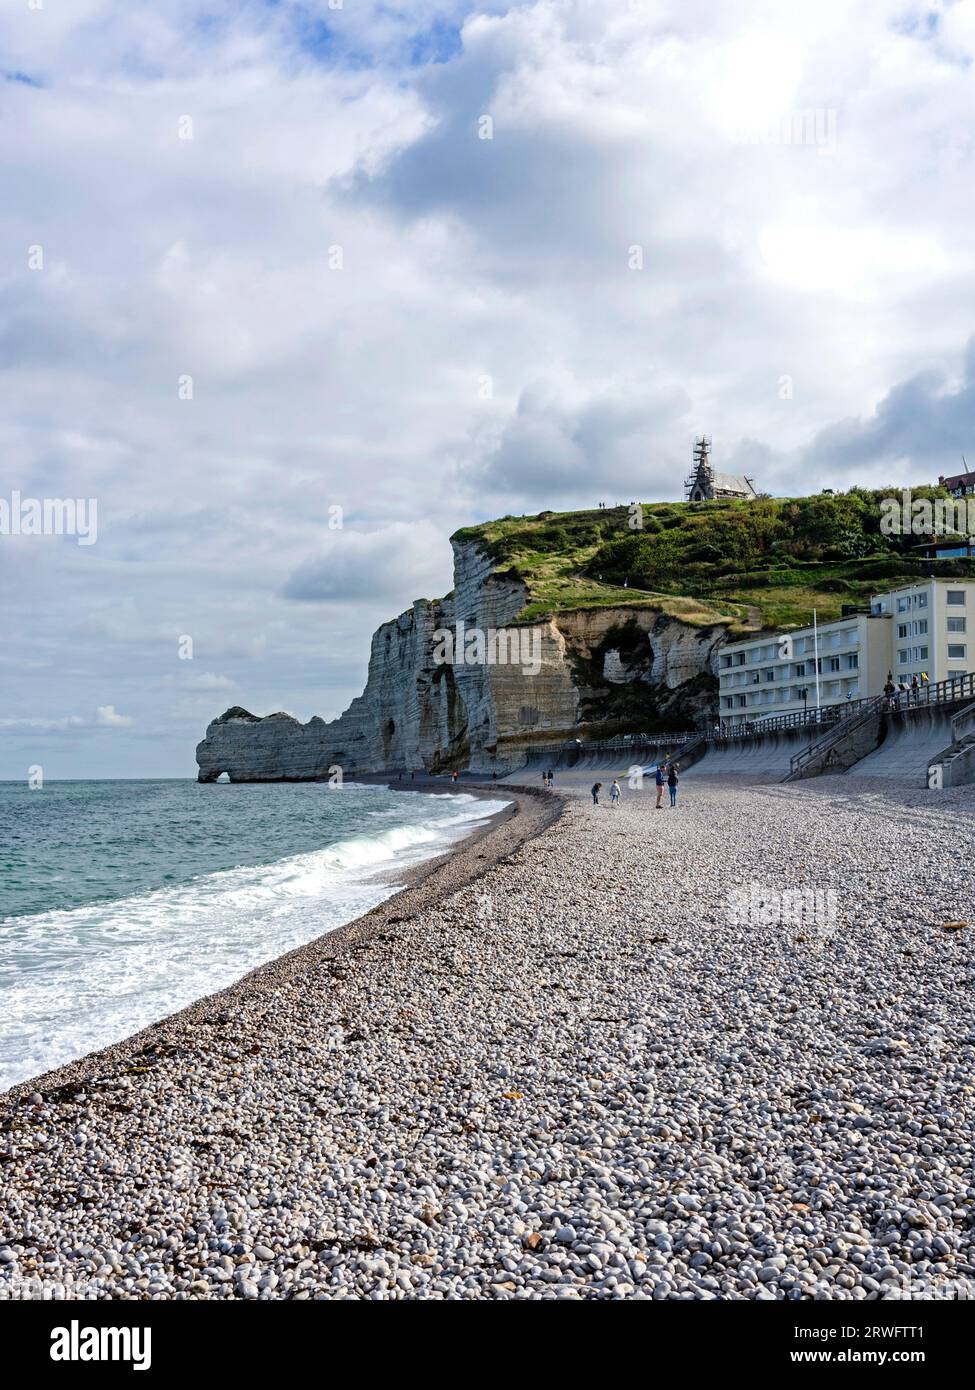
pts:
pixel 665 775
pixel 548 779
pixel 615 793
pixel 894 692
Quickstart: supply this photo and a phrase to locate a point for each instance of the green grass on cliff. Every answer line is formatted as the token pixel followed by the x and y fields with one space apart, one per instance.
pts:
pixel 554 552
pixel 765 563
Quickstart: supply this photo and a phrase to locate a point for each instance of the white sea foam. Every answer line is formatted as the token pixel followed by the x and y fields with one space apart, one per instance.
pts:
pixel 72 981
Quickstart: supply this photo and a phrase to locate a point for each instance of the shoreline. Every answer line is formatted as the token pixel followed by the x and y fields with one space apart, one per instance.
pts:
pixel 581 1061
pixel 424 884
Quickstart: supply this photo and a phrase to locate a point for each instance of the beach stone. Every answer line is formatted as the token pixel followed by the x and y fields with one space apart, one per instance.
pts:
pixel 612 1088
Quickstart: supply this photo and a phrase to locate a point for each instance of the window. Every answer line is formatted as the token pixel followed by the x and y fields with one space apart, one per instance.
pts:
pixel 956 624
pixel 800 668
pixel 725 662
pixel 903 604
pixel 903 656
pixel 834 663
pixel 920 601
pixel 770 674
pixel 956 597
pixel 740 659
pixel 852 661
pixel 957 651
pixel 903 630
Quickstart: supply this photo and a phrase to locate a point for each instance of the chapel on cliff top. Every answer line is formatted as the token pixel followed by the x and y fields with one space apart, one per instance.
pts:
pixel 705 485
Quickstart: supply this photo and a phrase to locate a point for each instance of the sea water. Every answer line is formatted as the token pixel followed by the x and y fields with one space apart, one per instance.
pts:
pixel 122 901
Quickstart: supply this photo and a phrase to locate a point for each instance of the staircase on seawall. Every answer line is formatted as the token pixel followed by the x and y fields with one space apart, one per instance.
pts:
pixel 847 742
pixel 954 766
pixel 905 722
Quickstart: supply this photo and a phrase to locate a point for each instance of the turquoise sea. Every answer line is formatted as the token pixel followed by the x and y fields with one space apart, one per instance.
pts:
pixel 122 901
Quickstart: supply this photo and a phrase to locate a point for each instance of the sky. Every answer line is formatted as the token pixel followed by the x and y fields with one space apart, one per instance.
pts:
pixel 292 291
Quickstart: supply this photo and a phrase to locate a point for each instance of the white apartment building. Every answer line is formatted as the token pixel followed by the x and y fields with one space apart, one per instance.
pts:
pixel 933 628
pixel 777 675
pixel 925 629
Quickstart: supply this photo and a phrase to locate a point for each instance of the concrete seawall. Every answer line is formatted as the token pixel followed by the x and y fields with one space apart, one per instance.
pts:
pixel 759 759
pixel 910 740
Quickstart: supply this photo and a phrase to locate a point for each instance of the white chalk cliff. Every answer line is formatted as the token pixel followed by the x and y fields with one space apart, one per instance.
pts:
pixel 599 668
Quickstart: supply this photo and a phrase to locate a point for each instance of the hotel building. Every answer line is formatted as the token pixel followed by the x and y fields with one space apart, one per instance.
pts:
pixel 922 629
pixel 933 628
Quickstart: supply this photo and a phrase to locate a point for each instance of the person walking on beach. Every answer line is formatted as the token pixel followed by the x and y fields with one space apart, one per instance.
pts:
pixel 672 780
pixel 596 788
pixel 660 778
pixel 615 793
pixel 551 778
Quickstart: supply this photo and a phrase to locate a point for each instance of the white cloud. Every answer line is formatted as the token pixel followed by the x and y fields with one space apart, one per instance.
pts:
pixel 404 558
pixel 50 726
pixel 465 261
pixel 209 680
pixel 106 718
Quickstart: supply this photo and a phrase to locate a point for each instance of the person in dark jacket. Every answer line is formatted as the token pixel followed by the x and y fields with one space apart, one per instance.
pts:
pixel 596 787
pixel 672 780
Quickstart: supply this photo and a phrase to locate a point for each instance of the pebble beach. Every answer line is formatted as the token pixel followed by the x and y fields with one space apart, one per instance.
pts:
pixel 587 1056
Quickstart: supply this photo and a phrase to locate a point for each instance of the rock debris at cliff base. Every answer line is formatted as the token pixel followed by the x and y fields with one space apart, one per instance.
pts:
pixel 574 1078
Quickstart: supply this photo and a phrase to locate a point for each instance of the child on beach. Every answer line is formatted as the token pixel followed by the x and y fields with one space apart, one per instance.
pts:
pixel 615 793
pixel 596 787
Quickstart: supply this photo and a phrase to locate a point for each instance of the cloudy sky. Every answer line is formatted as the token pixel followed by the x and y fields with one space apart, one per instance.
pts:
pixel 431 262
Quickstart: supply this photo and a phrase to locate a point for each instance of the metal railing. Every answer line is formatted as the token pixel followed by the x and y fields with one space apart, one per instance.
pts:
pixel 827 717
pixel 839 730
pixel 797 719
pixel 941 692
pixel 947 692
pixel 611 745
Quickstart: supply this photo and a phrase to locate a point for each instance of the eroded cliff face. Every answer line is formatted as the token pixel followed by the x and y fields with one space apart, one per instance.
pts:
pixel 606 667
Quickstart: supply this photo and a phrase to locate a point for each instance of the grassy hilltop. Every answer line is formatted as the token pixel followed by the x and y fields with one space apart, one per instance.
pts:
pixel 763 563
